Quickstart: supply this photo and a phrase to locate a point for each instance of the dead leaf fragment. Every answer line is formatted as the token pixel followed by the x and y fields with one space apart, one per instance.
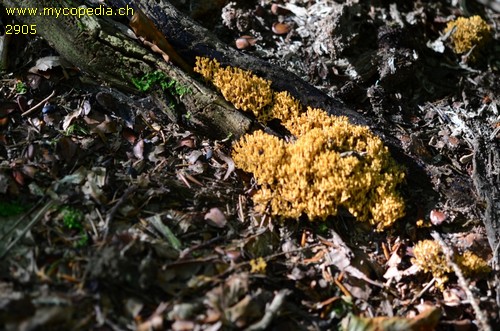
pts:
pixel 96 178
pixel 425 321
pixel 215 217
pixel 183 325
pixel 66 148
pixel 68 120
pixel 46 63
pixel 145 28
pixel 18 177
pixel 139 150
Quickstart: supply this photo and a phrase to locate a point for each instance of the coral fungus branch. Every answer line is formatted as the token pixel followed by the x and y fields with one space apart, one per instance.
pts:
pixel 332 163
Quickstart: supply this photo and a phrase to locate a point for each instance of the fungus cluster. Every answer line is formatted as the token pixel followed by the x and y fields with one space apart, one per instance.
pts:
pixel 469 32
pixel 240 87
pixel 430 258
pixel 472 265
pixel 329 164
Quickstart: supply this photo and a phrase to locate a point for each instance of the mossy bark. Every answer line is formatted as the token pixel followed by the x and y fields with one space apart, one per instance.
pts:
pixel 93 44
pixel 101 47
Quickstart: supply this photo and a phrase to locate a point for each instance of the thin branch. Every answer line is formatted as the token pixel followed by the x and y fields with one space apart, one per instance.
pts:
pixel 271 311
pixel 32 222
pixel 35 107
pixel 463 283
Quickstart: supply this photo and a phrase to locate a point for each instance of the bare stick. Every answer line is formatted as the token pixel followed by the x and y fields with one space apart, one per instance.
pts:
pixel 271 311
pixel 35 107
pixel 463 283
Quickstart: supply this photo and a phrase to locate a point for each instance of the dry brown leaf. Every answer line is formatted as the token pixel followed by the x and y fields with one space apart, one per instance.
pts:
pixel 215 217
pixel 66 148
pixel 70 118
pixel 143 27
pixel 425 321
pixel 129 135
pixel 230 164
pixel 46 63
pixel 18 176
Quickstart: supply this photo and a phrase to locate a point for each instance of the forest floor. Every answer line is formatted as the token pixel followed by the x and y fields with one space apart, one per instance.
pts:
pixel 114 218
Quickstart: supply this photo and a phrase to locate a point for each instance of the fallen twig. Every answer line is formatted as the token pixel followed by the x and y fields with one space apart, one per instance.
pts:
pixel 463 283
pixel 38 216
pixel 271 311
pixel 111 214
pixel 35 107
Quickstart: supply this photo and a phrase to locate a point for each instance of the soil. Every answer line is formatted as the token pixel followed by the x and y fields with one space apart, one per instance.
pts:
pixel 113 217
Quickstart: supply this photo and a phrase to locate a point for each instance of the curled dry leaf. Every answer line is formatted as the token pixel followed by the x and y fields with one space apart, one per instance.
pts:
pixel 46 63
pixel 230 164
pixel 187 142
pixel 145 28
pixel 18 177
pixel 29 170
pixel 426 320
pixel 4 121
pixel 129 135
pixel 277 9
pixel 215 217
pixel 68 119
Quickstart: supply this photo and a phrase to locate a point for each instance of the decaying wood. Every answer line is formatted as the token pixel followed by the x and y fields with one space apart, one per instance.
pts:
pixel 102 48
pixel 191 40
pixel 94 45
pixel 486 178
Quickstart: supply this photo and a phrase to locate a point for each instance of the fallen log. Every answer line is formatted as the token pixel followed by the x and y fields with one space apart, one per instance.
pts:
pixel 191 40
pixel 101 47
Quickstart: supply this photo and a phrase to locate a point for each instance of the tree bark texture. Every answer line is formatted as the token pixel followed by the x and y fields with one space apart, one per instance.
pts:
pixel 102 48
pixel 486 179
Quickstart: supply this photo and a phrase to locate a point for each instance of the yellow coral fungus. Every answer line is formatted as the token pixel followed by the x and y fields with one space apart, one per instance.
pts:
pixel 206 67
pixel 258 265
pixel 429 257
pixel 331 164
pixel 240 87
pixel 472 265
pixel 469 32
pixel 285 106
